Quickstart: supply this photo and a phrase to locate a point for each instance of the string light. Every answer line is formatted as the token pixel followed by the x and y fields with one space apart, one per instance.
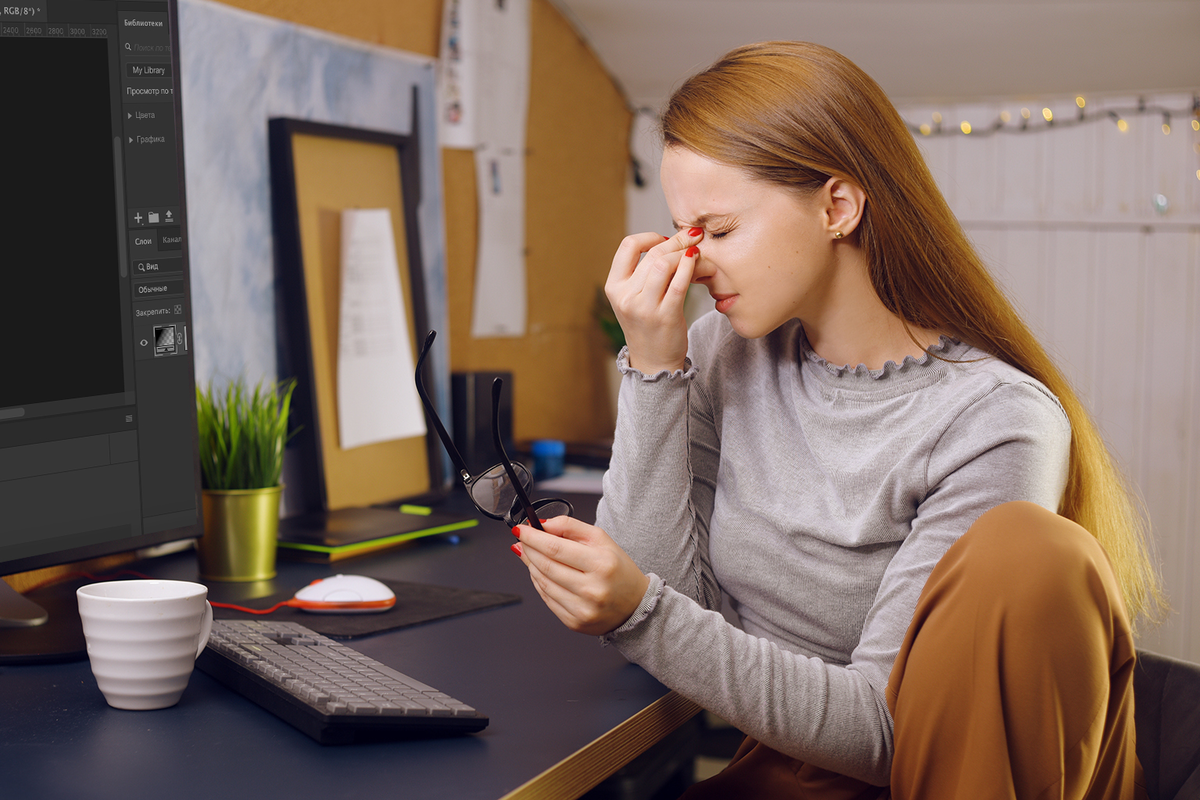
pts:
pixel 1118 116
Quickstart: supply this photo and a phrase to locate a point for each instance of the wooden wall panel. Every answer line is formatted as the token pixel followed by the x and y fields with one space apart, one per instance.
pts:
pixel 976 192
pixel 1113 287
pixel 1070 292
pixel 1022 177
pixel 1116 395
pixel 1168 426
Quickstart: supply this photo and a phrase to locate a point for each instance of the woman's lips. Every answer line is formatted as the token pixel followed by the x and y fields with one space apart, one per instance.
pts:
pixel 724 301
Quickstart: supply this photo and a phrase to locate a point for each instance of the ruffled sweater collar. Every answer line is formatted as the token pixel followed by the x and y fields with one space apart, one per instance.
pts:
pixel 934 357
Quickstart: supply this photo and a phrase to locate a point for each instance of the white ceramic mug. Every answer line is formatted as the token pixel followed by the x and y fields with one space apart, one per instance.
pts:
pixel 143 638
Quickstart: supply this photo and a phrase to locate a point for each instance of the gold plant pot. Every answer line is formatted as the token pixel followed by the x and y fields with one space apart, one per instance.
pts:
pixel 241 527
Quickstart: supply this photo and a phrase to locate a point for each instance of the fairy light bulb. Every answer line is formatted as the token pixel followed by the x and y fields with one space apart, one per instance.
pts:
pixel 926 129
pixel 965 127
pixel 1047 115
pixel 1079 101
pixel 1005 117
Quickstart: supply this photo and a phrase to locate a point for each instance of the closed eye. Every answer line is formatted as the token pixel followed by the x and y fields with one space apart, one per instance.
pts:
pixel 716 234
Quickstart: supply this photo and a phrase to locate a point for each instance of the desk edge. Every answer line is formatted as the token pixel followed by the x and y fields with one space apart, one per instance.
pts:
pixel 592 763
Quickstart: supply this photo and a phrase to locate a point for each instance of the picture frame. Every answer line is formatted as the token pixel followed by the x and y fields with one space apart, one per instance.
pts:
pixel 317 170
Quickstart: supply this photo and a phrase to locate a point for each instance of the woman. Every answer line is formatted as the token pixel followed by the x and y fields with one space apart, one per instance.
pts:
pixel 863 449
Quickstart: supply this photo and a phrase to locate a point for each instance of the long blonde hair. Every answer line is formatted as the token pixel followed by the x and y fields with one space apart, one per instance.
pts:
pixel 794 114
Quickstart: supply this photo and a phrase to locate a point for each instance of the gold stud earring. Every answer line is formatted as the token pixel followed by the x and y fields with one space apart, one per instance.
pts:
pixel 837 234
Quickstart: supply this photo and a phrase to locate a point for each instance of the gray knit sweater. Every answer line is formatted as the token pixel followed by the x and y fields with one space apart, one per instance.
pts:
pixel 818 499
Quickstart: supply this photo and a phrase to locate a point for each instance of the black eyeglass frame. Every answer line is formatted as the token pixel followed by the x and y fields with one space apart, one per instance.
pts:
pixel 522 501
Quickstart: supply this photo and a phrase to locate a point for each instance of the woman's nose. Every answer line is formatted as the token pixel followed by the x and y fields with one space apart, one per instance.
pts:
pixel 703 270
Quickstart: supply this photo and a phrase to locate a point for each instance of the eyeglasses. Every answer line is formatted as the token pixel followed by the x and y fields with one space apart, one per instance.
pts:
pixel 501 492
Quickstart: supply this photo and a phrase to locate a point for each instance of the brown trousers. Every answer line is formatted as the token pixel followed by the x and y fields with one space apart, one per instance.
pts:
pixel 1015 680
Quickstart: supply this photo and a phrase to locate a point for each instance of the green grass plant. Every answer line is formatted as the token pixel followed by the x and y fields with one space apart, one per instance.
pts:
pixel 614 337
pixel 242 434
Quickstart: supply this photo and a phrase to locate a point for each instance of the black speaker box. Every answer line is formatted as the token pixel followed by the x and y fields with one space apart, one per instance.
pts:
pixel 471 394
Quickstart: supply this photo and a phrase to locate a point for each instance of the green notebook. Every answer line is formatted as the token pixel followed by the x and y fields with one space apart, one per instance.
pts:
pixel 327 536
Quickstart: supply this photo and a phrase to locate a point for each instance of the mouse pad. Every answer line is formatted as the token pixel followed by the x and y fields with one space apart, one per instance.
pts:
pixel 416 603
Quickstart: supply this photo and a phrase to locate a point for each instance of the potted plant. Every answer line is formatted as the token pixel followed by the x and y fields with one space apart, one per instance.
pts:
pixel 242 433
pixel 606 318
pixel 614 338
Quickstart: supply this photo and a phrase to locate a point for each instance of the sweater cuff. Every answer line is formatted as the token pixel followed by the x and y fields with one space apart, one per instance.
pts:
pixel 649 601
pixel 688 371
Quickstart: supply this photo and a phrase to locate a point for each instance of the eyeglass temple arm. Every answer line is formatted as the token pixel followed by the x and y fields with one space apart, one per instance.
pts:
pixel 530 514
pixel 447 442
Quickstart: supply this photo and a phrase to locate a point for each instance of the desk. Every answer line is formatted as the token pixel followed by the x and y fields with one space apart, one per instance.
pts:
pixel 565 711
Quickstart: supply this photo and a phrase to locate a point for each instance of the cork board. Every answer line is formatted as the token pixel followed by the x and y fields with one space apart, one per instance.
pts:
pixel 576 170
pixel 317 171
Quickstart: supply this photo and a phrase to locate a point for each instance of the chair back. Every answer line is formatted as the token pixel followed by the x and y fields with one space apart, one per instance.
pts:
pixel 1167 715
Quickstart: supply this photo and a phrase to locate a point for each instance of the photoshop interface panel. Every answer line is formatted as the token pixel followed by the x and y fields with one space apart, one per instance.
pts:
pixel 95 351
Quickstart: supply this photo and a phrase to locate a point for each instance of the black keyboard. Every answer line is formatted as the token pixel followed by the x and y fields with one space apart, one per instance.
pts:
pixel 329 691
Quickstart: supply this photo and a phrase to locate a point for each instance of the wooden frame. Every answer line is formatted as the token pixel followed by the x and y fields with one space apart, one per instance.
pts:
pixel 316 171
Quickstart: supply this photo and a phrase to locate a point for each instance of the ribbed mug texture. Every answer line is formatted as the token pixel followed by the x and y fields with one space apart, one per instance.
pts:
pixel 143 638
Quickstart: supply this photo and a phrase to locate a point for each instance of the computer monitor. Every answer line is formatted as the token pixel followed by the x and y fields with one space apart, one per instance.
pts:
pixel 97 388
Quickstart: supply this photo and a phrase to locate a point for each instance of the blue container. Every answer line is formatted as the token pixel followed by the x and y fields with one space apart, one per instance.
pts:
pixel 549 457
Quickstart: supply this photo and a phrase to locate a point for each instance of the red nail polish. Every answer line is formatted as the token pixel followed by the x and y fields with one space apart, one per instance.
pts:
pixel 695 231
pixel 516 531
pixel 516 548
pixel 692 251
pixel 665 238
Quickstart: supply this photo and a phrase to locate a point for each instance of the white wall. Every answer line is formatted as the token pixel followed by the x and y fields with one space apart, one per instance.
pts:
pixel 1066 217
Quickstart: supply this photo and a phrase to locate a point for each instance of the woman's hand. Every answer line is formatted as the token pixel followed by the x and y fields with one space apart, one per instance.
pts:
pixel 647 285
pixel 582 575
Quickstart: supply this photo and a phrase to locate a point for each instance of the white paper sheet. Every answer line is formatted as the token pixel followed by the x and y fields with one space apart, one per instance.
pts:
pixel 498 308
pixel 377 399
pixel 484 104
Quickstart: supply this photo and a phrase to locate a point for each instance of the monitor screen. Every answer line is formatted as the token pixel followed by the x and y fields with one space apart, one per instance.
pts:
pixel 97 390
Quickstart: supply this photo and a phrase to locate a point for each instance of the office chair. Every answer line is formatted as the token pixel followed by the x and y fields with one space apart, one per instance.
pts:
pixel 1167 715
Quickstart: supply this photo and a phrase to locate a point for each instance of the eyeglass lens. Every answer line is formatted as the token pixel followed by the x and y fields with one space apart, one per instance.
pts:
pixel 546 509
pixel 493 491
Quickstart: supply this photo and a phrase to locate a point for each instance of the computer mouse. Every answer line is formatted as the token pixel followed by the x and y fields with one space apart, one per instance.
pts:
pixel 344 594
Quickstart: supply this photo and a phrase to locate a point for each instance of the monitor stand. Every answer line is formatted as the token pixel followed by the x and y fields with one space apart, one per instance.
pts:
pixel 41 627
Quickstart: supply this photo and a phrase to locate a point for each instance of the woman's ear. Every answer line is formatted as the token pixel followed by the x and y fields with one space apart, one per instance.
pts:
pixel 844 205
